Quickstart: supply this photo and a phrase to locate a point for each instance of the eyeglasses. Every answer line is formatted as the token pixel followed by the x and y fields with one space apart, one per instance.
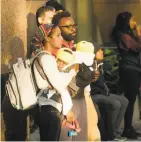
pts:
pixel 69 27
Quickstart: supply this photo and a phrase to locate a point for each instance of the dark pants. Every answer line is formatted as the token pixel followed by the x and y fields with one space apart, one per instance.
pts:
pixel 105 136
pixel 131 82
pixel 50 123
pixel 15 121
pixel 115 107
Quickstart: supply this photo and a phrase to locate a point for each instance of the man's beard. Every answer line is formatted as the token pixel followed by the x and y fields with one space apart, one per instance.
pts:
pixel 68 37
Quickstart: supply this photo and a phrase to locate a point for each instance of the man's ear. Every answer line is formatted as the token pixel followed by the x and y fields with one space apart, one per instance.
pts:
pixel 40 19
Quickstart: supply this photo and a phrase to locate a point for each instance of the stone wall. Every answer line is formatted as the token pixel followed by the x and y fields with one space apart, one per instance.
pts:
pixel 13 35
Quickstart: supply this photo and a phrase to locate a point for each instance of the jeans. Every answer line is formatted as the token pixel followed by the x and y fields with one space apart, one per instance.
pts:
pixel 115 107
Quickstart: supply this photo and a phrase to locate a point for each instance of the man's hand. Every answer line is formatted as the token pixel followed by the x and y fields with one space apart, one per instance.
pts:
pixel 70 122
pixel 96 75
pixel 73 125
pixel 77 127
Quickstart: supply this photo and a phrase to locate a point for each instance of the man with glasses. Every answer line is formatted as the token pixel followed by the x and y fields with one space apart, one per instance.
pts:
pixel 67 26
pixel 68 31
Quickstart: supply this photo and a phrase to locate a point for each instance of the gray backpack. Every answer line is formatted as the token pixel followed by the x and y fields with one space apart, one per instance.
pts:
pixel 21 86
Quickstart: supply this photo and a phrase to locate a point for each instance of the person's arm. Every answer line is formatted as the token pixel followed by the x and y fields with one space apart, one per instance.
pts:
pixel 57 79
pixel 130 43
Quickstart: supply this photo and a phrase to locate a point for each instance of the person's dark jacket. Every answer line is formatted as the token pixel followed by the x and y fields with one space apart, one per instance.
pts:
pixel 99 87
pixel 84 76
pixel 129 52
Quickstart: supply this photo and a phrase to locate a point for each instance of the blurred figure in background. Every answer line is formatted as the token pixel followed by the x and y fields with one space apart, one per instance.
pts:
pixel 127 35
pixel 44 15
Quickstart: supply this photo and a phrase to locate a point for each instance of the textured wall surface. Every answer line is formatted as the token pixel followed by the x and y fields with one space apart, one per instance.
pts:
pixel 104 16
pixel 14 37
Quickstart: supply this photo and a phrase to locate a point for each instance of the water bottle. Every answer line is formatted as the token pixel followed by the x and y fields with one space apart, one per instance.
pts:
pixel 72 133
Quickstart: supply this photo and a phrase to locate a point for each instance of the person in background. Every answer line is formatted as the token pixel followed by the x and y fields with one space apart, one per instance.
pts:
pixel 85 51
pixel 44 15
pixel 127 35
pixel 115 105
pixel 68 28
pixel 54 3
pixel 68 31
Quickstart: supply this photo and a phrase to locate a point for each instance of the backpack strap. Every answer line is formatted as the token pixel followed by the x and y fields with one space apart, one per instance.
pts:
pixel 39 67
pixel 56 97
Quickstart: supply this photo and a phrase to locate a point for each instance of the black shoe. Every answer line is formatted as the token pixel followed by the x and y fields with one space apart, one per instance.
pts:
pixel 129 133
pixel 119 138
pixel 138 134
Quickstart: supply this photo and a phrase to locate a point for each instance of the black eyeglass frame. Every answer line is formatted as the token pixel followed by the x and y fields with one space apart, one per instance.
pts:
pixel 69 26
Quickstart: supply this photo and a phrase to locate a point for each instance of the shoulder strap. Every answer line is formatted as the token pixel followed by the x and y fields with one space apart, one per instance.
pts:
pixel 39 67
pixel 37 55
